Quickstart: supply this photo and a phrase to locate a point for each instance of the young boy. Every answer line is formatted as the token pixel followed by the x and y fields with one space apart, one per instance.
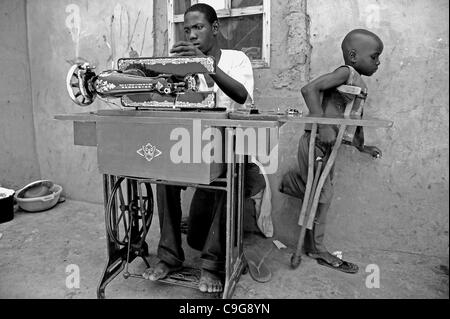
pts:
pixel 361 50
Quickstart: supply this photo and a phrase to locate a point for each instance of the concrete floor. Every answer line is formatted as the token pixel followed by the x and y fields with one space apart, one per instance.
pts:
pixel 36 248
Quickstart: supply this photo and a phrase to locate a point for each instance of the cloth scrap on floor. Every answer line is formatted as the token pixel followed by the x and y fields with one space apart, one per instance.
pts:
pixel 279 244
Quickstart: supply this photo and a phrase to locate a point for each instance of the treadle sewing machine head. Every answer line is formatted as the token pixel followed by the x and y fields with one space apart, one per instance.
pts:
pixel 146 83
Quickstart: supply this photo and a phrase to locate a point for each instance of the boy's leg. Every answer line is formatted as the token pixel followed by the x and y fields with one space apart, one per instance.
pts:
pixel 314 239
pixel 170 252
pixel 314 243
pixel 294 182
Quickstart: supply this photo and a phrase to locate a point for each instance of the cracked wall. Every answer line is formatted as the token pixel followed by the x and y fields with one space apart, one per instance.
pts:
pixel 80 30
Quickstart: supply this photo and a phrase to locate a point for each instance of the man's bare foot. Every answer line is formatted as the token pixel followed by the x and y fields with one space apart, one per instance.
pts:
pixel 160 271
pixel 210 282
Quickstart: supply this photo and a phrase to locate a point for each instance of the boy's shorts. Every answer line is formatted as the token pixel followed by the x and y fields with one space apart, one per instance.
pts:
pixel 293 182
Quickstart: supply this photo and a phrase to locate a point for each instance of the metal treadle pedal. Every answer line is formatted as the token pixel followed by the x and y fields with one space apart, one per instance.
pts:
pixel 187 277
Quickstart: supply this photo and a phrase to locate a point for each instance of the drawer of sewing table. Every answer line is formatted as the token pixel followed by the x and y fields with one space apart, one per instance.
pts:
pixel 170 152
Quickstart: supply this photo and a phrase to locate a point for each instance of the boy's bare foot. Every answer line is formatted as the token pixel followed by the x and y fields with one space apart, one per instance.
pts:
pixel 210 282
pixel 160 271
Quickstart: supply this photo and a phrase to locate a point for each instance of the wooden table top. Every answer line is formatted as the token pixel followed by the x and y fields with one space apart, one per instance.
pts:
pixel 217 119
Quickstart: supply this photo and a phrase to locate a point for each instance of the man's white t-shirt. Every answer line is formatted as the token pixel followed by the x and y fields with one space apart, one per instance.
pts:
pixel 237 65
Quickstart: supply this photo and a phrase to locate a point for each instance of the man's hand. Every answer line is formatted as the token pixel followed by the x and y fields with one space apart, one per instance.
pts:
pixel 372 151
pixel 327 135
pixel 183 48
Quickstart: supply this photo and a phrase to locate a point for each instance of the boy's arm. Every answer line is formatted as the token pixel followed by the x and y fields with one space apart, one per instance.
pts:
pixel 358 142
pixel 358 139
pixel 312 94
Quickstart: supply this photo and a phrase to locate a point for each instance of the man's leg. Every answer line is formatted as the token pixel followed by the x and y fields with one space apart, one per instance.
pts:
pixel 200 218
pixel 213 253
pixel 207 228
pixel 170 252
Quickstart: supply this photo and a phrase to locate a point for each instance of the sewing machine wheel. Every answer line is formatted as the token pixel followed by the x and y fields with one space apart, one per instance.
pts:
pixel 77 84
pixel 129 212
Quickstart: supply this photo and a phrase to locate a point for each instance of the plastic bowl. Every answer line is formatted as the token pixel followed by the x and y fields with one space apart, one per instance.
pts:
pixel 39 203
pixel 38 189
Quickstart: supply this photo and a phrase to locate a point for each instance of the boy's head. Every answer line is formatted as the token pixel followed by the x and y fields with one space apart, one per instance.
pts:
pixel 362 49
pixel 201 26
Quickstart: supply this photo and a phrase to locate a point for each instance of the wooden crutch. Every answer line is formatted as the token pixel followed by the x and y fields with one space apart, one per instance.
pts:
pixel 297 256
pixel 312 192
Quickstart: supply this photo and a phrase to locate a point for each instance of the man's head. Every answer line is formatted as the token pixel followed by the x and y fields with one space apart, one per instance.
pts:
pixel 362 49
pixel 201 26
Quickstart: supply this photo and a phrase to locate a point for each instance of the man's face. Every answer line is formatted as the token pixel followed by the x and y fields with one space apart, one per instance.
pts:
pixel 199 31
pixel 367 57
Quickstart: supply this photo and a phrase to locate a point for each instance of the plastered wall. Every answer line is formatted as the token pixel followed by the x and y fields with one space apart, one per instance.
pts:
pixel 399 202
pixel 60 33
pixel 18 157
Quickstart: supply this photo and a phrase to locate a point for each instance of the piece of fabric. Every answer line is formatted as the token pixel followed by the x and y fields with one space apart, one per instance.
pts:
pixel 263 204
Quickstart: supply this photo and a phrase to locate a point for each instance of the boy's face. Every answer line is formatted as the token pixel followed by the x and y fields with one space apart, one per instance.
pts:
pixel 367 56
pixel 199 31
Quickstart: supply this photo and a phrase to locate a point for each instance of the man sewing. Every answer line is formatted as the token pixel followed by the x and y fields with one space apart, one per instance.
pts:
pixel 233 85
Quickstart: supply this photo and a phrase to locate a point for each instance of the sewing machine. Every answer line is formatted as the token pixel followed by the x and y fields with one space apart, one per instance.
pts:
pixel 162 99
pixel 145 83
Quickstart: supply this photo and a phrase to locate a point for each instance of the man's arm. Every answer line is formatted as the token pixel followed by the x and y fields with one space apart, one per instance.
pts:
pixel 230 86
pixel 312 93
pixel 227 84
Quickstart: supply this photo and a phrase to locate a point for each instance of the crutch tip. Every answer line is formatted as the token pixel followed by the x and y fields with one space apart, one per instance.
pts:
pixel 295 261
